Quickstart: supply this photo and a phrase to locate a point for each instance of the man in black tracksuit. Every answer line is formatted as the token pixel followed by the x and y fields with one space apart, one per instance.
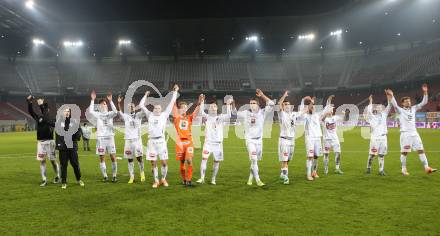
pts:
pixel 46 144
pixel 69 153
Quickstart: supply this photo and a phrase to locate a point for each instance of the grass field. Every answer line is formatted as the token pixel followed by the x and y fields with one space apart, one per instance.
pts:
pixel 354 203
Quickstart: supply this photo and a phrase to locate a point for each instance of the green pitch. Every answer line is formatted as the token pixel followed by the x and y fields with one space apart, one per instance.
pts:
pixel 354 203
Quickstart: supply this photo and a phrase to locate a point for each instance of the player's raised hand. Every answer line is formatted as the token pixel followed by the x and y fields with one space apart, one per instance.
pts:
pixel 201 98
pixel 286 93
pixel 370 98
pixel 109 96
pixel 30 98
pixel 389 92
pixel 120 98
pixel 259 93
pixel 40 101
pixel 176 88
pixel 331 97
pixel 147 93
pixel 425 88
pixel 93 95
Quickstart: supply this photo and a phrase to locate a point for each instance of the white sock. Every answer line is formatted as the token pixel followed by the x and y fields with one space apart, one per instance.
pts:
pixel 424 160
pixel 309 163
pixel 215 168
pixel 131 168
pixel 141 166
pixel 403 162
pixel 254 166
pixel 326 159
pixel 381 160
pixel 164 171
pixel 43 170
pixel 114 168
pixel 203 168
pixel 338 160
pixel 103 169
pixel 156 174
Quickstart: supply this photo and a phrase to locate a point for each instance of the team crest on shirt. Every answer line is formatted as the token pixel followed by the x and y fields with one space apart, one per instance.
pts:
pixel 183 124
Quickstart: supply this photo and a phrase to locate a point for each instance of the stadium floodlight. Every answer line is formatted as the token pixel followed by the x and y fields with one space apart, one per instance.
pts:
pixel 398 34
pixel 252 38
pixel 38 42
pixel 306 37
pixel 124 42
pixel 70 44
pixel 29 4
pixel 336 33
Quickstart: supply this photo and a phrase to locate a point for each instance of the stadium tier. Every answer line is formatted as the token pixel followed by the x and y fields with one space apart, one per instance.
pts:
pixel 351 69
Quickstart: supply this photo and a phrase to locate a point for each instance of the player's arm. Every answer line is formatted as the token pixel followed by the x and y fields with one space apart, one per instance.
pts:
pixel 31 111
pixel 114 111
pixel 229 105
pixel 197 109
pixel 120 112
pixel 92 104
pixel 302 109
pixel 172 103
pixel 329 100
pixel 282 98
pixel 370 106
pixel 390 93
pixel 425 97
pixel 388 107
pixel 142 103
pixel 269 103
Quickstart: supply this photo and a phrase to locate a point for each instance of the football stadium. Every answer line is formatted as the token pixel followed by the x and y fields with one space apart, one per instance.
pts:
pixel 219 117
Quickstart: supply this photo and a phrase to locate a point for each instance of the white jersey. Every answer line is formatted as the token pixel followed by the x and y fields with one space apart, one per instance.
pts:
pixel 312 124
pixel 378 122
pixel 157 123
pixel 331 127
pixel 214 124
pixel 104 120
pixel 87 132
pixel 132 125
pixel 407 116
pixel 254 121
pixel 288 123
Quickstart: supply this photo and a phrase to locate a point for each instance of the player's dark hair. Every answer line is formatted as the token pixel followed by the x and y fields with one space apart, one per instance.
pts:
pixel 101 101
pixel 212 101
pixel 404 99
pixel 181 103
pixel 255 99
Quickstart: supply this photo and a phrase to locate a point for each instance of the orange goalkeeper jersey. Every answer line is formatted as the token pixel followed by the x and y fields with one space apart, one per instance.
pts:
pixel 183 124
